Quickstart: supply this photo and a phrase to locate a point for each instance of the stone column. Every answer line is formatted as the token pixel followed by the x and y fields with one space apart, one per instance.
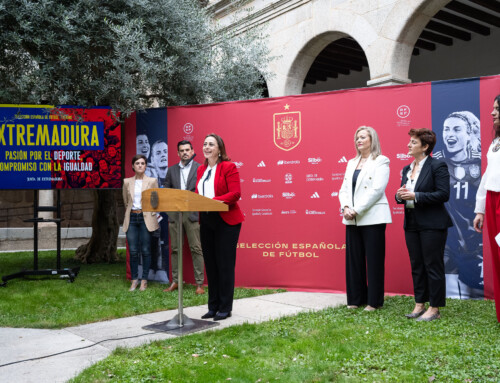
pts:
pixel 389 79
pixel 46 198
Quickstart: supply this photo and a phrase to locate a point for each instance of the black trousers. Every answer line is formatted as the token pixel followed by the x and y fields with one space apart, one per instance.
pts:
pixel 365 264
pixel 426 250
pixel 218 242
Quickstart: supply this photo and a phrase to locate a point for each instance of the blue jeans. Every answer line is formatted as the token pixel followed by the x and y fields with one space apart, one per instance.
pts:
pixel 139 241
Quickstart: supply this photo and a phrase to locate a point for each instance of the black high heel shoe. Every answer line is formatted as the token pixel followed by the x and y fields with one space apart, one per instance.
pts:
pixel 222 316
pixel 209 314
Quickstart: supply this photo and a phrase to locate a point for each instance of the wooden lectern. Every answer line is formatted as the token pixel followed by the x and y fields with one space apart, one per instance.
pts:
pixel 179 201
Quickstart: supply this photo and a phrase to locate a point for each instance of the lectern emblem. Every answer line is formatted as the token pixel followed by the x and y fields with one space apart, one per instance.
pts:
pixel 154 199
pixel 287 130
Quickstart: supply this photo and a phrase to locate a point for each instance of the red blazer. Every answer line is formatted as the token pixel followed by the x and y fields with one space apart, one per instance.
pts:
pixel 227 189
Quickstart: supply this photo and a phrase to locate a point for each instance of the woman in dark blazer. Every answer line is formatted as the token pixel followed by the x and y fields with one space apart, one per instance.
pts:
pixel 425 187
pixel 219 179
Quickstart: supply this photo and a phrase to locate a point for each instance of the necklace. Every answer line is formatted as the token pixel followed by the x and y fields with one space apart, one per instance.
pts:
pixel 497 145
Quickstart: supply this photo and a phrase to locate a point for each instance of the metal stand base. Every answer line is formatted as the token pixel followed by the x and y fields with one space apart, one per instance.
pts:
pixel 176 322
pixel 197 325
pixel 71 273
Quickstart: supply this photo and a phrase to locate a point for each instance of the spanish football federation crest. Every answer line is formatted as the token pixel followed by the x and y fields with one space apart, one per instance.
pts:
pixel 475 170
pixel 287 130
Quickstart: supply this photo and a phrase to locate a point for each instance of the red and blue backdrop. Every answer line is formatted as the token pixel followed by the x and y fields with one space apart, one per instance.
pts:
pixel 292 152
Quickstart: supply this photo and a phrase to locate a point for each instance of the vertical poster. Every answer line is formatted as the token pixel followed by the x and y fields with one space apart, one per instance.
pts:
pixel 148 129
pixel 456 122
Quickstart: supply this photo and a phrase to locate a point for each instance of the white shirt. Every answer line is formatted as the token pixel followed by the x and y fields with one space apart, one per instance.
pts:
pixel 491 177
pixel 137 205
pixel 206 185
pixel 185 173
pixel 410 183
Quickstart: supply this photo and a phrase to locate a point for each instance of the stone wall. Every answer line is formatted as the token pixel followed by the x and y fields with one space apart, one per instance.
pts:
pixel 76 210
pixel 386 30
pixel 76 207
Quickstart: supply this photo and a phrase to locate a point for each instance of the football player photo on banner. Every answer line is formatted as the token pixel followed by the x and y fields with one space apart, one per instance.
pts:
pixel 456 122
pixel 147 133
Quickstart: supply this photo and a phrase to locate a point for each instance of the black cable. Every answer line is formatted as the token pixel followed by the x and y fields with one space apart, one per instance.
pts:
pixel 80 348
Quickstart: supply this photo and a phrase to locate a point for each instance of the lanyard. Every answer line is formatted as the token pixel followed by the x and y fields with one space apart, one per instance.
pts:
pixel 206 179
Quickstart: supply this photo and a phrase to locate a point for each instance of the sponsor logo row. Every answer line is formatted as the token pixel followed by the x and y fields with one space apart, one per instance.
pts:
pixel 268 211
pixel 291 195
pixel 264 212
pixel 313 161
pixel 288 178
pixel 262 164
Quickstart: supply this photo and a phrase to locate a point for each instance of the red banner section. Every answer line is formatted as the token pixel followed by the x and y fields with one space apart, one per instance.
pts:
pixel 291 153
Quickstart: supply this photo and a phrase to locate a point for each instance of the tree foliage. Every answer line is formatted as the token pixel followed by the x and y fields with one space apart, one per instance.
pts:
pixel 127 54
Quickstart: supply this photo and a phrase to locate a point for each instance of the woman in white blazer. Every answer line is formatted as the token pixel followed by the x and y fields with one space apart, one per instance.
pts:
pixel 365 212
pixel 138 224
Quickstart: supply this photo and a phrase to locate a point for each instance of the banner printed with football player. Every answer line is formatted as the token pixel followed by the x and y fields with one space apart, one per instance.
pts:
pixel 149 135
pixel 455 119
pixel 291 153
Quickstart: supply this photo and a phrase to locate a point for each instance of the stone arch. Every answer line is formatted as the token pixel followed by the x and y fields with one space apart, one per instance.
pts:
pixel 326 29
pixel 305 58
pixel 403 26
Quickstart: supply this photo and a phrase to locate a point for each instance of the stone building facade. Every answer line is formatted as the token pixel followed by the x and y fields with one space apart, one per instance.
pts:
pixel 402 41
pixel 324 45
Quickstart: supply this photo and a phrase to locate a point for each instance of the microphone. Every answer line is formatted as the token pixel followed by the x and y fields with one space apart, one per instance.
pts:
pixel 191 159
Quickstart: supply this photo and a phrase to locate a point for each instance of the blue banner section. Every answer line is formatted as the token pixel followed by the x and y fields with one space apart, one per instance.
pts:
pixel 151 140
pixel 26 134
pixel 456 122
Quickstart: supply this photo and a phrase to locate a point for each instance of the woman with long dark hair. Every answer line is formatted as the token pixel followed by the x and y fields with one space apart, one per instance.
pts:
pixel 219 179
pixel 488 202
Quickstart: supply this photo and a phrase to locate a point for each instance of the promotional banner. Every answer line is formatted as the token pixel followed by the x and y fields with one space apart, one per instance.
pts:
pixel 455 111
pixel 292 152
pixel 148 130
pixel 48 147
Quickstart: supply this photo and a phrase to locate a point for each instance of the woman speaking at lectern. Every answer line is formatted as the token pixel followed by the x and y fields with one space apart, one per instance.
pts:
pixel 219 179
